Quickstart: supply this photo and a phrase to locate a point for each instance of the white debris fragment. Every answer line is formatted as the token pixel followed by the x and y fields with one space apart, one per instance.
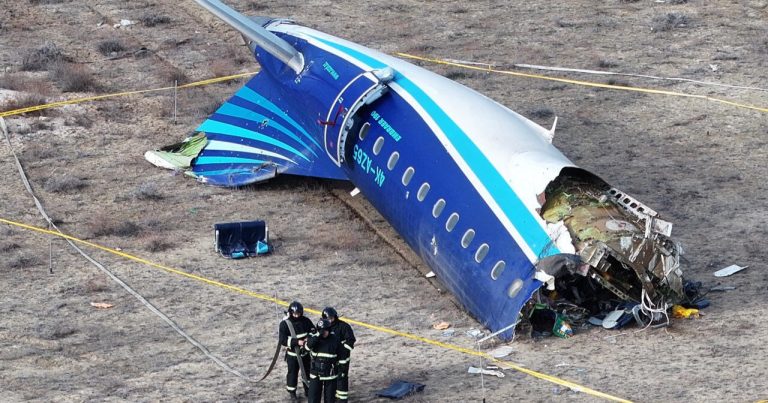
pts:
pixel 501 352
pixel 729 270
pixel 430 274
pixel 474 333
pixel 473 370
pixel 354 192
pixel 123 23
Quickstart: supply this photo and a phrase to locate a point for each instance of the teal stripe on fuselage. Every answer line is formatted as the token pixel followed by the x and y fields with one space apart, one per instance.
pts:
pixel 253 96
pixel 247 114
pixel 212 126
pixel 517 213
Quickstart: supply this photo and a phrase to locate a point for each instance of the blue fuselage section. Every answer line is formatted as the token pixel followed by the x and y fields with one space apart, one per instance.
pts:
pixel 399 163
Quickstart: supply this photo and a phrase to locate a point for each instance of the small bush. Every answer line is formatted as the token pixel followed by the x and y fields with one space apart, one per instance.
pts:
pixel 42 58
pixel 55 331
pixel 457 75
pixel 64 184
pixel 257 6
pixel 96 284
pixel 37 152
pixel 24 101
pixel 7 246
pixel 147 191
pixel 11 82
pixel 82 121
pixel 173 75
pixel 153 20
pixel 110 46
pixel 43 2
pixel 20 261
pixel 669 21
pixel 157 244
pixel 105 225
pixel 542 113
pixel 73 78
pixel 607 64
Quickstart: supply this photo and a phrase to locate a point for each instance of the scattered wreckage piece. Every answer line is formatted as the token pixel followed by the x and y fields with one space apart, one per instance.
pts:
pixel 732 269
pixel 400 389
pixel 238 240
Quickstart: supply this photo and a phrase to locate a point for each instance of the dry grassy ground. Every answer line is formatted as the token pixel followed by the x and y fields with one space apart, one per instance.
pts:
pixel 701 164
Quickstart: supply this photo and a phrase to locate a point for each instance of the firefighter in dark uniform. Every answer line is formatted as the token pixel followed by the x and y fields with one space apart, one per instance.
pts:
pixel 302 327
pixel 346 337
pixel 323 349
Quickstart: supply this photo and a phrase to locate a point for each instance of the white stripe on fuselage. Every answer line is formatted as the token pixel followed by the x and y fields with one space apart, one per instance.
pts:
pixel 311 36
pixel 227 146
pixel 465 168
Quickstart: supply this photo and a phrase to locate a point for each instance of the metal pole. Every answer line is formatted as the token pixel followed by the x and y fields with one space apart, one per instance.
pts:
pixel 175 91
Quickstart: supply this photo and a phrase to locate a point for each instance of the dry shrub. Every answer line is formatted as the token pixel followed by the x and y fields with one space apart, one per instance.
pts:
pixel 147 191
pixel 42 58
pixel 23 260
pixel 221 67
pixel 541 113
pixel 7 246
pixel 73 78
pixel 37 152
pixel 64 184
pixel 55 331
pixel 153 20
pixel 105 225
pixel 110 46
pixel 669 21
pixel 22 83
pixel 43 2
pixel 11 82
pixel 81 120
pixel 157 244
pixel 173 75
pixel 257 6
pixel 24 101
pixel 96 284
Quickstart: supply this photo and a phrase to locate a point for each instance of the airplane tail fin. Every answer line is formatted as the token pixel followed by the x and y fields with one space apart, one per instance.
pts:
pixel 250 138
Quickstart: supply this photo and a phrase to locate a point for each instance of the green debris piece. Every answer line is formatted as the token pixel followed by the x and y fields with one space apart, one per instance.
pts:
pixel 592 233
pixel 178 156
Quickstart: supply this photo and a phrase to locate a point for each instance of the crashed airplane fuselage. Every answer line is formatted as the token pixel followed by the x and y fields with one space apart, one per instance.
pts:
pixel 477 190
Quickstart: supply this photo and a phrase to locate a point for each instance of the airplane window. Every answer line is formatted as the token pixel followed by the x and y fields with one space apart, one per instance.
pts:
pixel 467 238
pixel 393 160
pixel 481 252
pixel 378 145
pixel 451 223
pixel 364 130
pixel 438 208
pixel 407 175
pixel 423 190
pixel 515 288
pixel 497 269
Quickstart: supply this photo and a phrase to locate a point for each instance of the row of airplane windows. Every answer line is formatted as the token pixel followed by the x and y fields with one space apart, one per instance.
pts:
pixel 437 210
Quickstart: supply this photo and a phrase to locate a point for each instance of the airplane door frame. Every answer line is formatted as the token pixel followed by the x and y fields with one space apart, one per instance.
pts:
pixel 335 141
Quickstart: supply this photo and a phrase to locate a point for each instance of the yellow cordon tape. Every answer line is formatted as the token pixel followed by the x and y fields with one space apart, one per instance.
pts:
pixel 121 94
pixel 448 346
pixel 490 69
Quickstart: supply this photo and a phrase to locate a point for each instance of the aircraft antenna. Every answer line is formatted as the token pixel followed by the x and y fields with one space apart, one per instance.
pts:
pixel 270 42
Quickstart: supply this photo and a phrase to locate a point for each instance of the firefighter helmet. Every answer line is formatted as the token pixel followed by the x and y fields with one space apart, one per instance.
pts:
pixel 323 324
pixel 296 307
pixel 330 313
